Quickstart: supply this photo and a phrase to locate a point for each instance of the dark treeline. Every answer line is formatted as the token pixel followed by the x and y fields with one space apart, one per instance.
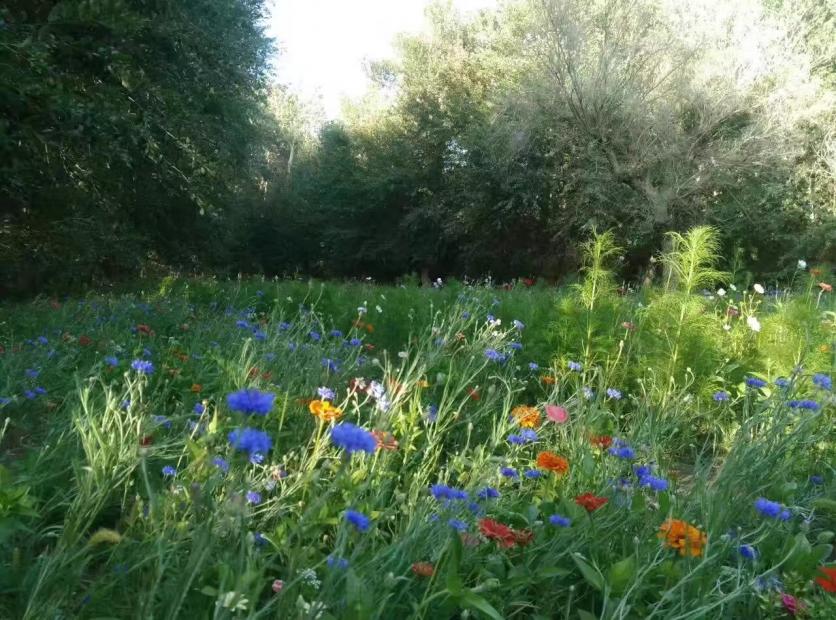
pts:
pixel 141 134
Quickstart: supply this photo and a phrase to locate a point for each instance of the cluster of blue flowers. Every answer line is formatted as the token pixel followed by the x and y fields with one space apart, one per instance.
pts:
pixel 358 520
pixel 524 437
pixel 771 509
pixel 143 367
pixel 251 401
pixel 622 450
pixel 254 442
pixel 442 491
pixel 352 438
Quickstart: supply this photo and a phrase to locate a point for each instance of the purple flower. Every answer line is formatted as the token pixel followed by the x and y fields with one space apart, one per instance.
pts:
pixel 721 396
pixel 657 484
pixel 623 452
pixel 574 366
pixel 253 497
pixel 326 393
pixel 494 355
pixel 755 383
pixel 458 525
pixel 220 464
pixel 432 413
pixel 168 470
pixel 822 381
pixel 509 472
pixel 199 408
pixel 613 393
pixel 111 361
pixel 337 562
pixel 143 367
pixel 32 373
pixel 442 491
pixel 767 508
pixel 251 401
pixel 748 552
pixel 533 366
pixel 488 493
pixel 810 405
pixel 533 473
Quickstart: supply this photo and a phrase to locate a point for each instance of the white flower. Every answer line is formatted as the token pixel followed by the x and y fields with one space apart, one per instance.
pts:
pixel 758 289
pixel 753 323
pixel 726 327
pixel 378 308
pixel 732 287
pixel 721 292
pixel 802 264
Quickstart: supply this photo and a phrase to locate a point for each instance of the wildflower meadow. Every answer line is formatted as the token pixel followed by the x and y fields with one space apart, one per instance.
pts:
pixel 260 448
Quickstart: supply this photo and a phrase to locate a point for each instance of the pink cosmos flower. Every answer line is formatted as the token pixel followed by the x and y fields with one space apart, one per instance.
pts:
pixel 557 414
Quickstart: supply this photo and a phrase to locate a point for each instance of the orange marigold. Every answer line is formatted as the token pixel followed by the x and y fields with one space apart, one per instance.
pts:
pixel 552 462
pixel 526 416
pixel 682 536
pixel 324 410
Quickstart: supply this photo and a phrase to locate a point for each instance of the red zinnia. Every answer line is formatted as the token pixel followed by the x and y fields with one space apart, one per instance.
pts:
pixel 590 502
pixel 601 441
pixel 828 582
pixel 501 533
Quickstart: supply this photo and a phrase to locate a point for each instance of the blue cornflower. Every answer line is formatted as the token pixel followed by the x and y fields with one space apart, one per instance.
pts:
pixel 465 315
pixel 804 404
pixel 358 520
pixel 168 470
pixel 326 393
pixel 161 420
pixel 822 381
pixel 314 336
pixel 40 390
pixel 509 472
pixel 256 458
pixel 335 333
pixel 331 365
pixel 42 340
pixel 518 325
pixel 613 393
pixel 560 521
pixel 442 491
pixel 30 394
pixel 355 342
pixel 533 366
pixel 250 440
pixel 641 471
pixel 623 452
pixel 353 438
pixel 721 396
pixel 199 408
pixel 253 497
pixel 755 383
pixel 284 326
pixel 111 361
pixel 494 355
pixel 260 335
pixel 782 383
pixel 32 373
pixel 458 525
pixel 748 552
pixel 488 493
pixel 432 413
pixel 516 346
pixel 817 479
pixel 251 401
pixel 143 367
pixel 337 562
pixel 220 464
pixel 574 366
pixel 768 508
pixel 657 484
pixel 241 324
pixel 533 473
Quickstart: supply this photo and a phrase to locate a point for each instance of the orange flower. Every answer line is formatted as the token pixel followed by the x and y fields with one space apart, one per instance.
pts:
pixel 324 410
pixel 197 388
pixel 825 287
pixel 590 501
pixel 385 441
pixel 552 462
pixel 828 582
pixel 423 569
pixel 548 380
pixel 369 328
pixel 682 536
pixel 526 416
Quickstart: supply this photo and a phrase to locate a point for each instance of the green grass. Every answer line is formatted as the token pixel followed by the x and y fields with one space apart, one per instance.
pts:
pixel 90 527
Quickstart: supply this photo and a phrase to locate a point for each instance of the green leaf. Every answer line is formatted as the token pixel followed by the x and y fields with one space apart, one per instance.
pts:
pixel 589 571
pixel 474 601
pixel 454 580
pixel 621 574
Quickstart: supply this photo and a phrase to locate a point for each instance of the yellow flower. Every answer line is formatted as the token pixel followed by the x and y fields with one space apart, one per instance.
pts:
pixel 324 410
pixel 526 416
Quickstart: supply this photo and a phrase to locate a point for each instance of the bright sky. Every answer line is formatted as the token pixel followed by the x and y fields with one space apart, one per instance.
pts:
pixel 323 43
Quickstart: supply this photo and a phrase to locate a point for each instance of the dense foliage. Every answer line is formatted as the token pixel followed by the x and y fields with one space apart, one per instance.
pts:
pixel 145 133
pixel 292 450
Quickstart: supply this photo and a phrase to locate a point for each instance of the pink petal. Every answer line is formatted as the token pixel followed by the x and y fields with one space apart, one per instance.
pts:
pixel 557 414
